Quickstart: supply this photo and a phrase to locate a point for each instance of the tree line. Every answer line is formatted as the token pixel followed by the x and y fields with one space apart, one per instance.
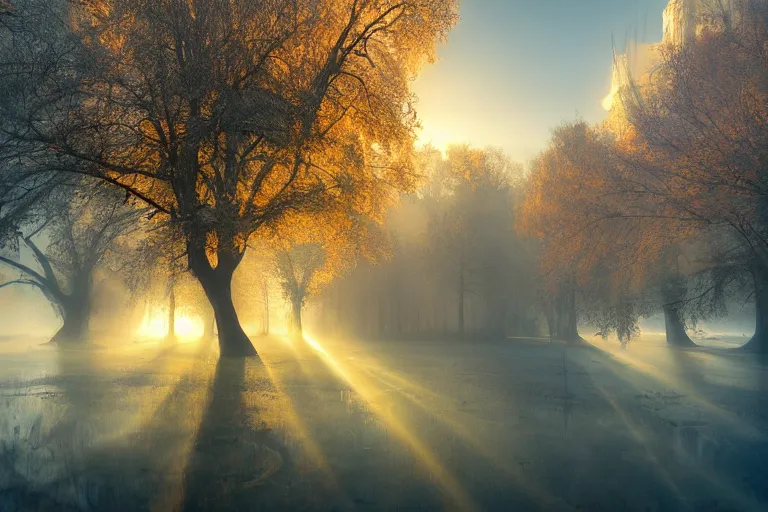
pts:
pixel 662 208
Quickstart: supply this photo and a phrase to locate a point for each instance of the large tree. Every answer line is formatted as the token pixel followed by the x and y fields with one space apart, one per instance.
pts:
pixel 223 115
pixel 608 234
pixel 698 143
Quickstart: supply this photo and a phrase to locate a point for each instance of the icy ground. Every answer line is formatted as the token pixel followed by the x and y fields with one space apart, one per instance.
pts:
pixel 515 425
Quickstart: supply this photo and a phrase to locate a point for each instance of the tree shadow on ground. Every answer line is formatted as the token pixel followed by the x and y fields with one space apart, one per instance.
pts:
pixel 233 463
pixel 703 445
pixel 106 438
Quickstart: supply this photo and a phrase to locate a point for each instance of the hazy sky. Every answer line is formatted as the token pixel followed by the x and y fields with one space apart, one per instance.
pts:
pixel 514 69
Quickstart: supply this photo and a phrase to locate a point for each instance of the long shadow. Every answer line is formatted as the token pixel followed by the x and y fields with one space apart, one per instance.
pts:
pixel 153 456
pixel 704 448
pixel 106 439
pixel 232 461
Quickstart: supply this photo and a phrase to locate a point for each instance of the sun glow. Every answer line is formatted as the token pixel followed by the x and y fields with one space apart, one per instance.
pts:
pixel 610 98
pixel 155 325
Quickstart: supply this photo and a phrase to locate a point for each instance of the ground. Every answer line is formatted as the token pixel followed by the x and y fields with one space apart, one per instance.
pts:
pixel 320 425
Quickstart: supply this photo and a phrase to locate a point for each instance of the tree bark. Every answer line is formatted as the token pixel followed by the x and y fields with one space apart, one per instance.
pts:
pixel 759 341
pixel 676 335
pixel 673 293
pixel 217 284
pixel 75 312
pixel 298 329
pixel 171 312
pixel 566 320
pixel 209 329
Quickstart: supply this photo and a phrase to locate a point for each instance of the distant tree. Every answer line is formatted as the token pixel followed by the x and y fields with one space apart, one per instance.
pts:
pixel 222 115
pixel 160 270
pixel 454 262
pixel 311 251
pixel 472 233
pixel 560 211
pixel 296 268
pixel 76 234
pixel 607 239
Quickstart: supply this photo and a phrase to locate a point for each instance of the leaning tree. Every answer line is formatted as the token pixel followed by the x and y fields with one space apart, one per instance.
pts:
pixel 72 236
pixel 223 115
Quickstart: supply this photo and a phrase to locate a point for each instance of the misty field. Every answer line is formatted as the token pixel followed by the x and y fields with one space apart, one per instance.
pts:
pixel 310 425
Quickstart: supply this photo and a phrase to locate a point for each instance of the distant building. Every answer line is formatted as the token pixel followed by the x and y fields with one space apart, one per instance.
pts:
pixel 683 21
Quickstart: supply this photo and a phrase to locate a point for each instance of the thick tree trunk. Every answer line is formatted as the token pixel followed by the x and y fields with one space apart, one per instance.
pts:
pixel 217 284
pixel 676 335
pixel 759 342
pixel 566 321
pixel 233 342
pixel 674 292
pixel 75 312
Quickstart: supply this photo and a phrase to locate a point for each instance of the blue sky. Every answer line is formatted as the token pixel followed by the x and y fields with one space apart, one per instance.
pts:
pixel 514 69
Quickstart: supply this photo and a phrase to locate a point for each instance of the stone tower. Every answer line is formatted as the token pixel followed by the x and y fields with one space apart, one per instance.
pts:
pixel 685 20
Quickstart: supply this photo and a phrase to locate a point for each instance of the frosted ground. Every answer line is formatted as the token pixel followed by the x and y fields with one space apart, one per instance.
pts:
pixel 515 425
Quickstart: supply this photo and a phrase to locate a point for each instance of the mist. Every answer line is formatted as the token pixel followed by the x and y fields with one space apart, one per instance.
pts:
pixel 250 260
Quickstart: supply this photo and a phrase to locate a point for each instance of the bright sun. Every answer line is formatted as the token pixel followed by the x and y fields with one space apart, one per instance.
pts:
pixel 155 325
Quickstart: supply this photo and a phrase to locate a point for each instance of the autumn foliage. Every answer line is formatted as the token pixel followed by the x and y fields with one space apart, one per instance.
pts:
pixel 673 199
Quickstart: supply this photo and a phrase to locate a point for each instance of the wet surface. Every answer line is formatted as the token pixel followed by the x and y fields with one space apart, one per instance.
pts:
pixel 516 425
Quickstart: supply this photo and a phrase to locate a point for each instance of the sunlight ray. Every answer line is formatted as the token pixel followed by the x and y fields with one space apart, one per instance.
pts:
pixel 298 426
pixel 444 415
pixel 190 410
pixel 640 436
pixel 448 483
pixel 679 384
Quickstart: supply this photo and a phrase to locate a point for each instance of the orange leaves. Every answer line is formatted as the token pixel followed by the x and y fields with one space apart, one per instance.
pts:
pixel 236 116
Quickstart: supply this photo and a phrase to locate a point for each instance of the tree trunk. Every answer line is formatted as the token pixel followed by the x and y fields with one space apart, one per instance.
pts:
pixel 296 326
pixel 265 292
pixel 676 335
pixel 209 329
pixel 75 311
pixel 566 320
pixel 551 324
pixel 759 342
pixel 674 292
pixel 233 342
pixel 217 284
pixel 171 312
